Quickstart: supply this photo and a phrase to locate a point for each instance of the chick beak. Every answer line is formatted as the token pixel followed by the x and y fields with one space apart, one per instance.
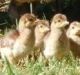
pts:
pixel 66 25
pixel 47 29
pixel 66 22
pixel 78 33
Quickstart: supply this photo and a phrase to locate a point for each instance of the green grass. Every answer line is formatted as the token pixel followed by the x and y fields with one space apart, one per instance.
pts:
pixel 66 66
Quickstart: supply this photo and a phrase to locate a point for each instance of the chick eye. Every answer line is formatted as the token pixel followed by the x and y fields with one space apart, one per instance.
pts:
pixel 30 19
pixel 59 20
pixel 72 27
pixel 41 26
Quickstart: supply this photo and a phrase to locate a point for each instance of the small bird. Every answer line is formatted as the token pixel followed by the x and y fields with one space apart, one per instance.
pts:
pixel 56 43
pixel 41 29
pixel 73 33
pixel 26 21
pixel 25 41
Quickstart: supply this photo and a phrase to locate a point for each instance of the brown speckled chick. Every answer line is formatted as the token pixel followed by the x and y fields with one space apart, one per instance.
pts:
pixel 25 42
pixel 73 33
pixel 41 29
pixel 26 21
pixel 55 45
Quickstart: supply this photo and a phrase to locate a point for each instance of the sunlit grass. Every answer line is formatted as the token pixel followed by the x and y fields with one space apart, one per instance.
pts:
pixel 66 66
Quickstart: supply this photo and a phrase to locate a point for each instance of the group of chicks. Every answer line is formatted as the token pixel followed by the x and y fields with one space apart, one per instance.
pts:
pixel 52 38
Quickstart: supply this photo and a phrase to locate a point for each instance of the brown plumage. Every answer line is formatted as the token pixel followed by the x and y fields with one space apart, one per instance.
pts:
pixel 56 43
pixel 7 42
pixel 24 43
pixel 73 33
pixel 41 29
pixel 8 39
pixel 26 21
pixel 4 5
